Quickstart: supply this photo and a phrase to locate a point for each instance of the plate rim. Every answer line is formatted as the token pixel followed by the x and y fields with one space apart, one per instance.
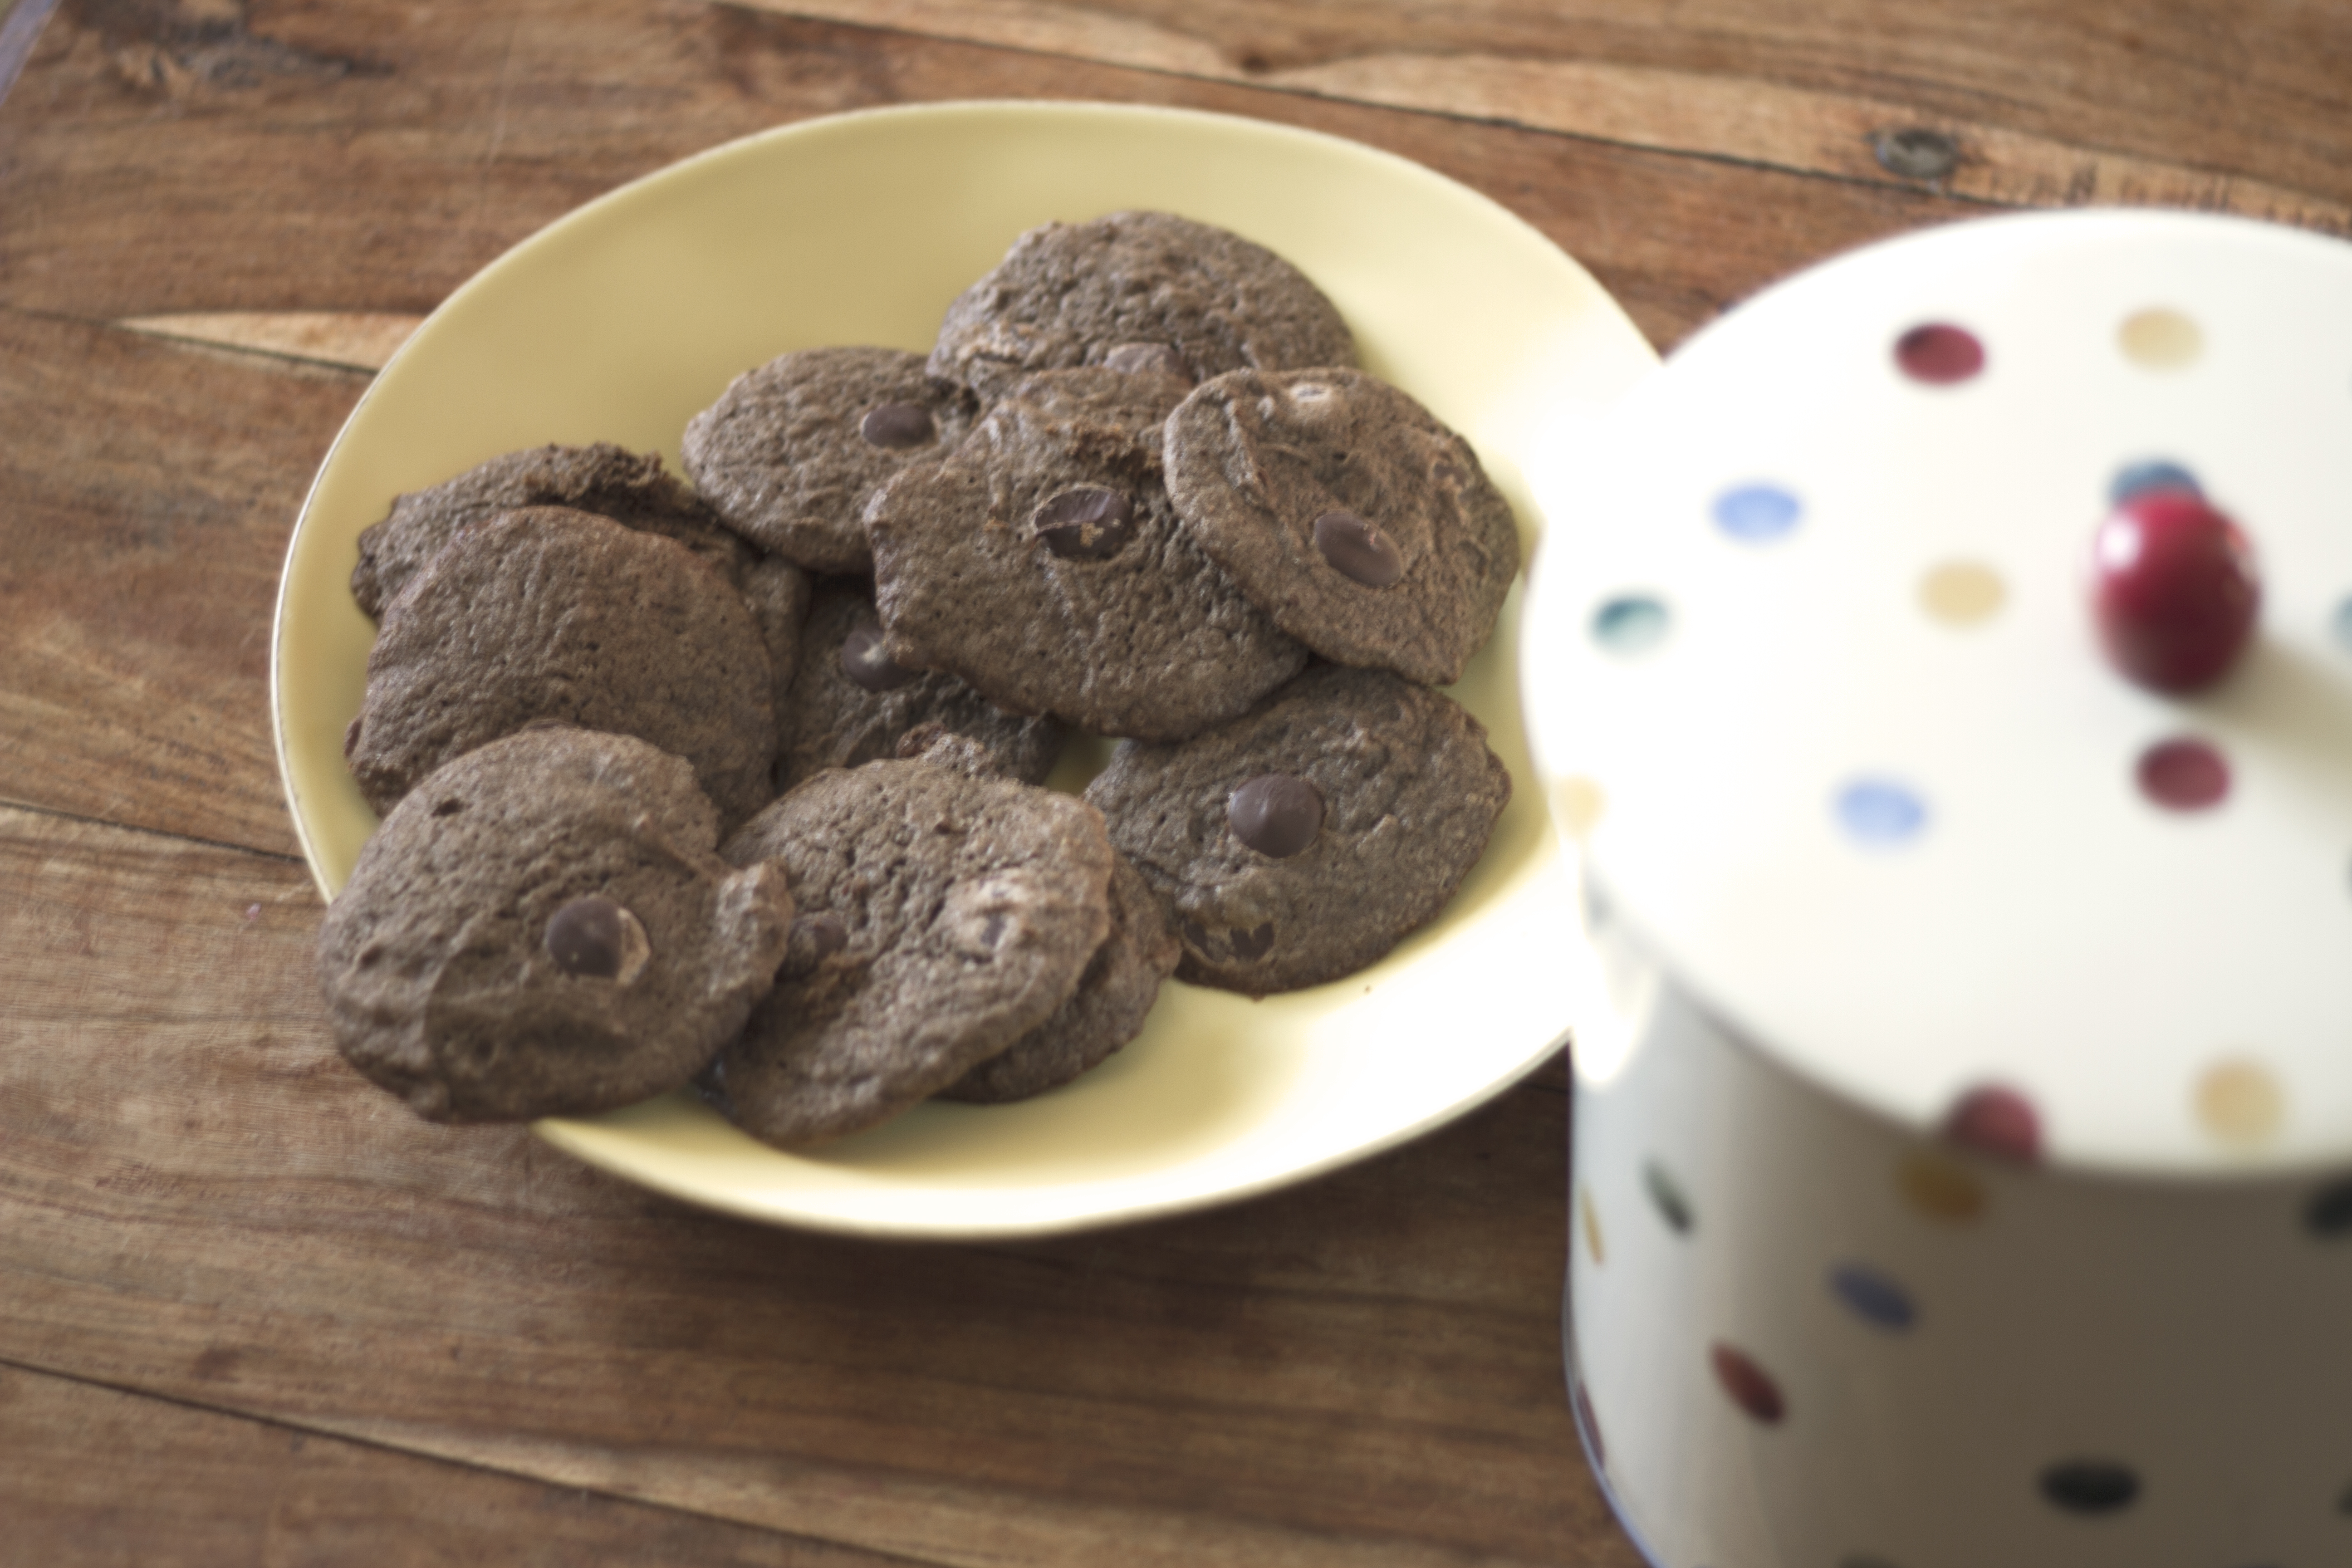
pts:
pixel 576 1137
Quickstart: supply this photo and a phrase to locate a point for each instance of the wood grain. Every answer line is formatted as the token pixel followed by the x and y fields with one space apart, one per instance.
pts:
pixel 256 1312
pixel 349 339
pixel 150 490
pixel 419 150
pixel 154 483
pixel 100 1477
pixel 198 1200
pixel 2045 105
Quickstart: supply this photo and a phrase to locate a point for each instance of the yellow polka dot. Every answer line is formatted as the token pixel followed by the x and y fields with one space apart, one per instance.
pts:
pixel 2239 1103
pixel 1591 1218
pixel 1938 1188
pixel 1577 804
pixel 1963 592
pixel 2160 339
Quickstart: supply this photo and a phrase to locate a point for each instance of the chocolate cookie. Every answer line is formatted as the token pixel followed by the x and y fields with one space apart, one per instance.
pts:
pixel 1043 563
pixel 1136 290
pixel 549 614
pixel 1299 843
pixel 790 453
pixel 1345 510
pixel 543 927
pixel 632 490
pixel 1102 1015
pixel 777 592
pixel 850 704
pixel 942 916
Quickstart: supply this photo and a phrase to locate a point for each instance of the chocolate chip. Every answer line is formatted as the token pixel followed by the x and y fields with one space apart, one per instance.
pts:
pixel 813 938
pixel 589 937
pixel 1196 935
pixel 897 425
pixel 1147 359
pixel 1276 814
pixel 866 661
pixel 1249 946
pixel 1085 522
pixel 1357 550
pixel 2090 1486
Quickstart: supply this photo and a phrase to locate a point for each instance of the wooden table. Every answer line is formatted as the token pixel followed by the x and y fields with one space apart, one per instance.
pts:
pixel 251 1311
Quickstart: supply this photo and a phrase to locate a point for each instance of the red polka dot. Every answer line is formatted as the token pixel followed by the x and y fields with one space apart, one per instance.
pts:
pixel 1939 355
pixel 2183 774
pixel 1996 1120
pixel 1751 1387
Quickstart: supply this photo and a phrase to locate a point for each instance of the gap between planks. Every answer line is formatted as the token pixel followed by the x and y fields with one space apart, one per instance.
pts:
pixel 82 819
pixel 348 340
pixel 1676 112
pixel 426 1457
pixel 934 1521
pixel 930 1522
pixel 1731 119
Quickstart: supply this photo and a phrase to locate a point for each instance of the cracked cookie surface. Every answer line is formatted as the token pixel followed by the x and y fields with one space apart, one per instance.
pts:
pixel 1043 563
pixel 1103 1013
pixel 544 927
pixel 1302 841
pixel 946 914
pixel 1134 288
pixel 1349 514
pixel 560 615
pixel 629 487
pixel 849 704
pixel 790 452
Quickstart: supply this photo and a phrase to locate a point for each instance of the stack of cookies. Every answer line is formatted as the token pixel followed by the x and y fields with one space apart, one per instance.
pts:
pixel 740 782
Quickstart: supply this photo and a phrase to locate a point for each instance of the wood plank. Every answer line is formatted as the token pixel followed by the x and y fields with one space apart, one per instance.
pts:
pixel 152 485
pixel 388 154
pixel 99 1476
pixel 147 491
pixel 351 340
pixel 198 1200
pixel 2053 105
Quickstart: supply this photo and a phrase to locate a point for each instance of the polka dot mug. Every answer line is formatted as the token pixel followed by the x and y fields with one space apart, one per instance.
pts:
pixel 1942 670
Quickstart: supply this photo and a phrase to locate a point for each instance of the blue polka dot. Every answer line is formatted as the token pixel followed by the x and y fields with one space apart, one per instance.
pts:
pixel 2340 623
pixel 1756 513
pixel 1880 811
pixel 1874 1297
pixel 1630 623
pixel 2156 474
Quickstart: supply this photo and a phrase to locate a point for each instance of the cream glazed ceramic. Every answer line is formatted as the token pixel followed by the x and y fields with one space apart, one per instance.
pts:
pixel 1964 1160
pixel 622 320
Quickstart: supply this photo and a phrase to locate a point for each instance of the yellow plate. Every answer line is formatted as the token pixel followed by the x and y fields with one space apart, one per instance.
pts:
pixel 621 320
